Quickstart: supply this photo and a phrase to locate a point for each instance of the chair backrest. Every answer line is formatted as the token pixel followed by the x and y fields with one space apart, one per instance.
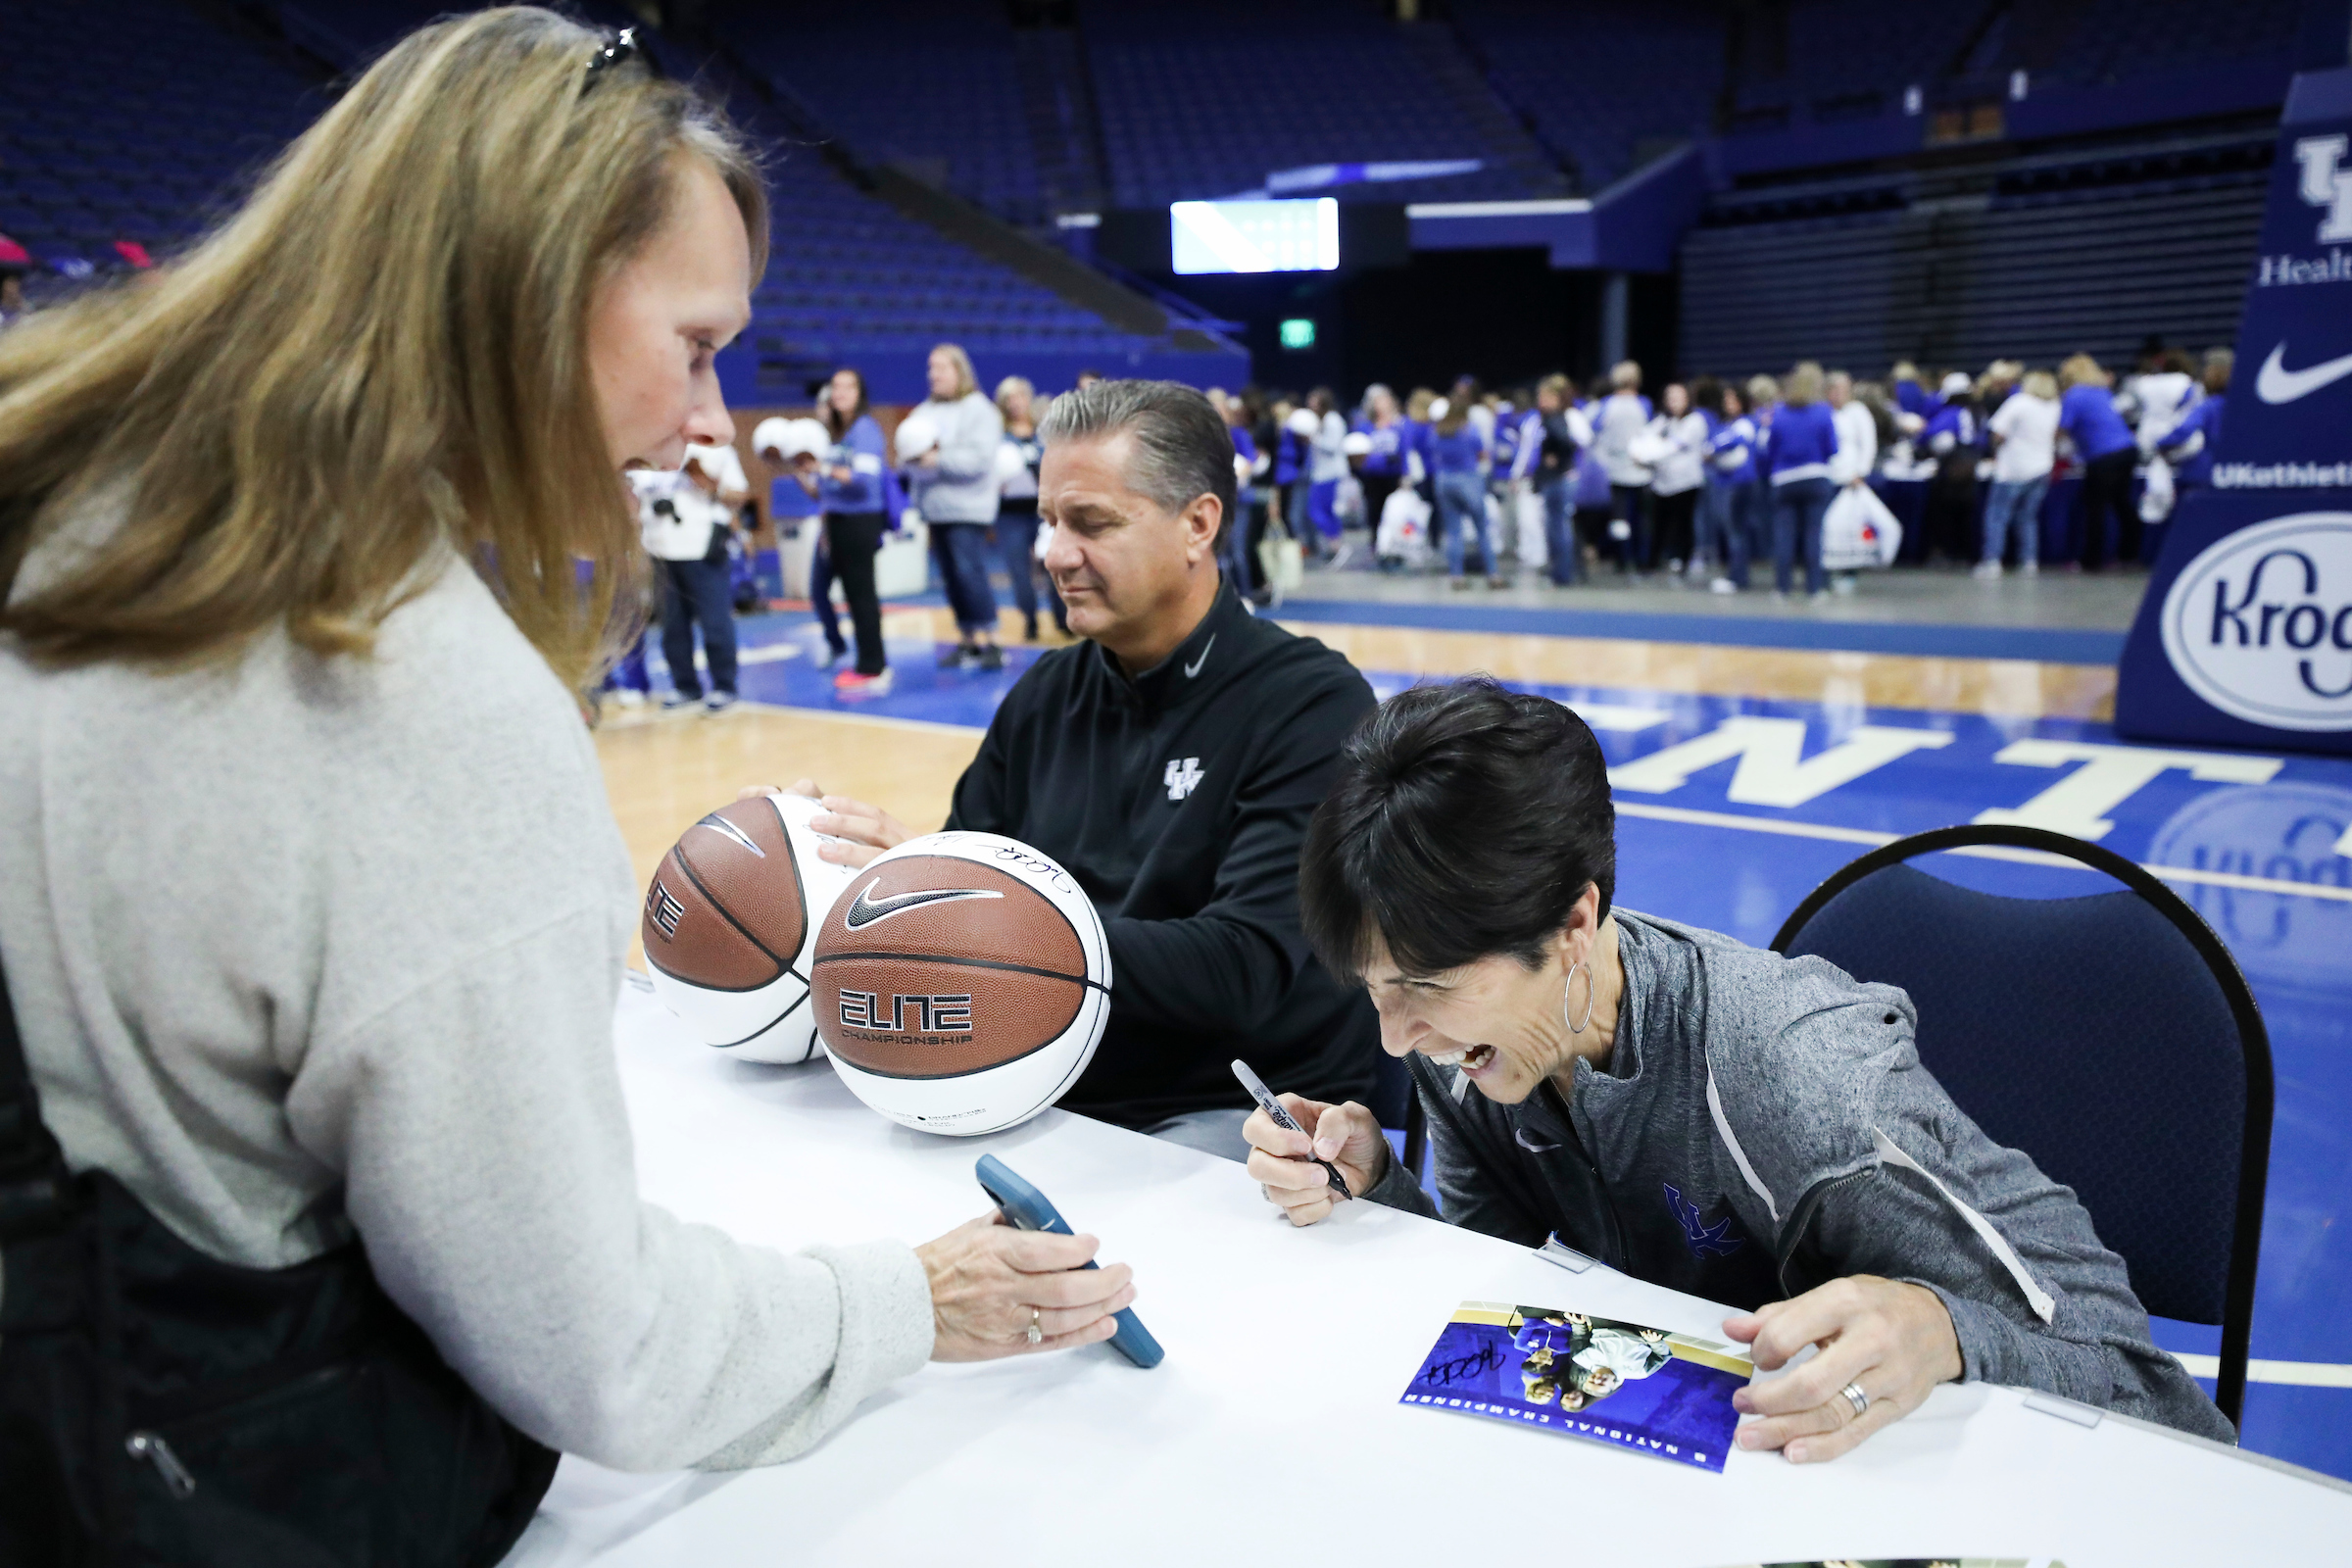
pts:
pixel 2109 1037
pixel 1391 1092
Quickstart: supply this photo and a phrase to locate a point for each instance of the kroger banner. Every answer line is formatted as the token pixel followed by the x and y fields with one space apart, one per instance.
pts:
pixel 2245 635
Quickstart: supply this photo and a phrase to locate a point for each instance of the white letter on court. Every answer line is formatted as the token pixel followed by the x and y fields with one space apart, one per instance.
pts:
pixel 2110 775
pixel 1769 772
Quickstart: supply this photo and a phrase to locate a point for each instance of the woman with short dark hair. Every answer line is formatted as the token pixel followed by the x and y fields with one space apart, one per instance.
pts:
pixel 1702 1114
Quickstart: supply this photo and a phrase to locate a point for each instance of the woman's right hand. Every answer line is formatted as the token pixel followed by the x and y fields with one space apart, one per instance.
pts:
pixel 1284 1161
pixel 990 1282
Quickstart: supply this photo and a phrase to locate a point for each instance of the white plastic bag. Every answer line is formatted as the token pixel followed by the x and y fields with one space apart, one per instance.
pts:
pixel 1858 532
pixel 2156 501
pixel 1535 550
pixel 1403 534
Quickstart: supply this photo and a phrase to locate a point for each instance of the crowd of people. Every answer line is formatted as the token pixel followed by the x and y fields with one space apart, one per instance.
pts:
pixel 1813 471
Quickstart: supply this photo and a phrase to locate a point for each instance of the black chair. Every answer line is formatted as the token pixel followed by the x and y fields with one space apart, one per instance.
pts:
pixel 2110 1037
pixel 1398 1106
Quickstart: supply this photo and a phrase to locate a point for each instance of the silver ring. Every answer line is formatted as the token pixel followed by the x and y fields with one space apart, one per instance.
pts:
pixel 1037 1333
pixel 1857 1398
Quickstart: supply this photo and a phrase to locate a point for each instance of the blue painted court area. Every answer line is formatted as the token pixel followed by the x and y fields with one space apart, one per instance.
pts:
pixel 1732 810
pixel 2059 645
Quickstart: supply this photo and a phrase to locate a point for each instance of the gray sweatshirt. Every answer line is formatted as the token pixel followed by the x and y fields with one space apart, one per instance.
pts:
pixel 963 487
pixel 1763 1126
pixel 304 947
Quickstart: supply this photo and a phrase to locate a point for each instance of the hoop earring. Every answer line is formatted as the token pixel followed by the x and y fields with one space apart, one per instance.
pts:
pixel 1575 1028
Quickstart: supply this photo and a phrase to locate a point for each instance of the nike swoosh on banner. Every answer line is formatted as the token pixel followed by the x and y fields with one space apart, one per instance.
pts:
pixel 1194 668
pixel 2278 384
pixel 864 910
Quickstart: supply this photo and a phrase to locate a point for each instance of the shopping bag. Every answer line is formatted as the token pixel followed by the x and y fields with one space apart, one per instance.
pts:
pixel 1282 559
pixel 1403 534
pixel 2156 500
pixel 1535 550
pixel 1858 533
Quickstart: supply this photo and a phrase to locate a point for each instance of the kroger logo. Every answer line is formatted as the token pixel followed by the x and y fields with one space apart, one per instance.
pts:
pixel 2260 625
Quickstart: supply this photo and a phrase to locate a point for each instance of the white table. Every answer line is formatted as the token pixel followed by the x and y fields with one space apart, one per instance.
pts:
pixel 1272 1432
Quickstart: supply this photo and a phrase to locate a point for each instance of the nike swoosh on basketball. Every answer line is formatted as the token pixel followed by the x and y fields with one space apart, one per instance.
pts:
pixel 2278 384
pixel 719 824
pixel 864 910
pixel 1194 668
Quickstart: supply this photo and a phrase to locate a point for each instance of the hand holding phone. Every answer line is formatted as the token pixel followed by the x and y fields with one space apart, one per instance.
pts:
pixel 1029 1210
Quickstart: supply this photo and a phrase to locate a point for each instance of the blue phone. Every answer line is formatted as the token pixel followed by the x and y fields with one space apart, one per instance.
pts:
pixel 1028 1210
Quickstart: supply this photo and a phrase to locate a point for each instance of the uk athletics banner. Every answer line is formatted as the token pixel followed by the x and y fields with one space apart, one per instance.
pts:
pixel 2244 637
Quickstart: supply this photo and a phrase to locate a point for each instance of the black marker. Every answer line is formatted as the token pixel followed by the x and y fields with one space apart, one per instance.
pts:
pixel 1281 1118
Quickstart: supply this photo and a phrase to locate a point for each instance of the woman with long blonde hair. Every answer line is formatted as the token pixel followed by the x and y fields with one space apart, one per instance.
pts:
pixel 312 905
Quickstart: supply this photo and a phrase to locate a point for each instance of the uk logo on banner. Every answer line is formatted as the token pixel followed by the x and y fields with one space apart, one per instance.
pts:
pixel 2326 184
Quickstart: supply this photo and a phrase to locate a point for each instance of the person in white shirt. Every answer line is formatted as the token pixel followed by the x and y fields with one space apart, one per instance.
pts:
pixel 686 517
pixel 1857 447
pixel 2024 439
pixel 348 1034
pixel 1624 414
pixel 1679 436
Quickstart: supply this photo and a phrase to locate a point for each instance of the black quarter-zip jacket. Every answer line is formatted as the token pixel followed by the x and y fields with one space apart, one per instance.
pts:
pixel 1178 800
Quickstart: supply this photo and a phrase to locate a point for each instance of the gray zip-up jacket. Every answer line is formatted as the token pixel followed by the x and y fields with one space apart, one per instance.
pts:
pixel 1763 1126
pixel 963 487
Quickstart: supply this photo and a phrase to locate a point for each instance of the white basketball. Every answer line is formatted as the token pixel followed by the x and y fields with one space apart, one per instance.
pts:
pixel 918 433
pixel 806 438
pixel 730 927
pixel 961 983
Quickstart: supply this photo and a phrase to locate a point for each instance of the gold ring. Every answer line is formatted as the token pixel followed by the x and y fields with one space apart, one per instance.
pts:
pixel 1037 1333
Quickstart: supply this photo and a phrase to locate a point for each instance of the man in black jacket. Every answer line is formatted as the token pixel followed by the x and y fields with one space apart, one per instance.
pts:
pixel 1170 763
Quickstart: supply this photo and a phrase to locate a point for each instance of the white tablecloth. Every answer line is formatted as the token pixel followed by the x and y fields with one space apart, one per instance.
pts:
pixel 1272 1433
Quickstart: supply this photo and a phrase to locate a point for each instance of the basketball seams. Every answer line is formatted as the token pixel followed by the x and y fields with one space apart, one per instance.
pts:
pixel 808 992
pixel 888 954
pixel 728 915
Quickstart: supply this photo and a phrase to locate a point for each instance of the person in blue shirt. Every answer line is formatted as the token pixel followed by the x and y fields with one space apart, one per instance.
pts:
pixel 1796 465
pixel 2196 437
pixel 1460 473
pixel 2104 446
pixel 1909 396
pixel 1559 437
pixel 1240 535
pixel 1953 438
pixel 1730 505
pixel 1421 443
pixel 1293 445
pixel 848 484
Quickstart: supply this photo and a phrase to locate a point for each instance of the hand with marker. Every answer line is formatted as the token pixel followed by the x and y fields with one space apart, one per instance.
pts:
pixel 1284 1160
pixel 854 831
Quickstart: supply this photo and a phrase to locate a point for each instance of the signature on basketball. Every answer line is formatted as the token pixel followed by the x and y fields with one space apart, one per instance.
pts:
pixel 1037 867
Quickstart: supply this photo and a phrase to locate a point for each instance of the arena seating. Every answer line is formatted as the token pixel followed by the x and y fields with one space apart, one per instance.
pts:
pixel 1206 100
pixel 132 129
pixel 1602 82
pixel 949 104
pixel 125 126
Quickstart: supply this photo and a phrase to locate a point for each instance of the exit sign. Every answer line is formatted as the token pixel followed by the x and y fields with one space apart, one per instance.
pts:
pixel 1298 333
